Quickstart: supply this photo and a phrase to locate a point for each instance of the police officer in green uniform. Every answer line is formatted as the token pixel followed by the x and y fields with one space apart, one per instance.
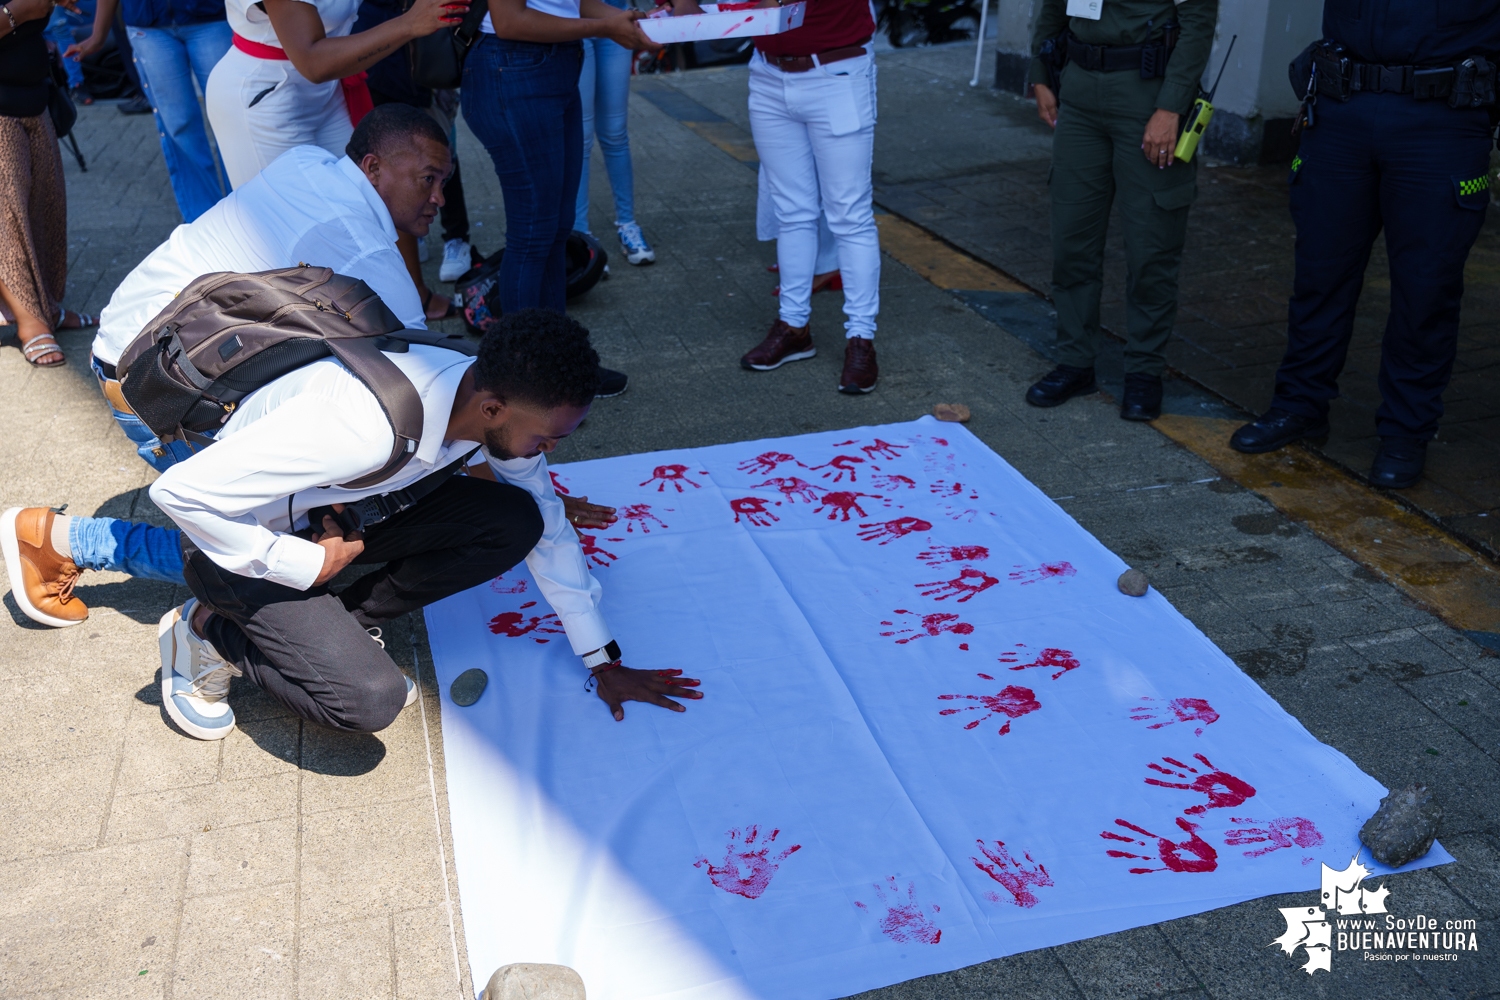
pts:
pixel 1115 85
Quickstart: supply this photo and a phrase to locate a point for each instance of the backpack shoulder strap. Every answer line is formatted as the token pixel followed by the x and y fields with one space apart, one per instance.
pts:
pixel 396 396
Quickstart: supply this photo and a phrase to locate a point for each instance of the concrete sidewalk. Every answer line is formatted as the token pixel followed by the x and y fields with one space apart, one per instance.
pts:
pixel 292 862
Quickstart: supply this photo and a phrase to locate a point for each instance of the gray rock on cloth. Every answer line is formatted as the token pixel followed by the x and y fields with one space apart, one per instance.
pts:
pixel 1404 826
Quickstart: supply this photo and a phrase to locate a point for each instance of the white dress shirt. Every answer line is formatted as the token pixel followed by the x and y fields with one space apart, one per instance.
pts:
pixel 291 442
pixel 308 206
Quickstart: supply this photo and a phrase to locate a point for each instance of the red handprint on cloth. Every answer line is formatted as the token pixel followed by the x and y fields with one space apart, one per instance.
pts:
pixel 1063 659
pixel 793 488
pixel 515 624
pixel 893 482
pixel 1014 876
pixel 1222 788
pixel 637 514
pixel 840 504
pixel 766 462
pixel 934 624
pixel 754 510
pixel 557 484
pixel 594 553
pixel 1046 571
pixel 501 585
pixel 905 919
pixel 1285 831
pixel 953 553
pixel 841 465
pixel 965 586
pixel 1012 702
pixel 1177 710
pixel 889 531
pixel 674 474
pixel 1202 856
pixel 747 869
pixel 943 488
pixel 882 449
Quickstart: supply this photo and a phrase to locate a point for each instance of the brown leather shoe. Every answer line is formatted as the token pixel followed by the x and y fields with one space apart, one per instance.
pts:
pixel 860 369
pixel 41 580
pixel 784 343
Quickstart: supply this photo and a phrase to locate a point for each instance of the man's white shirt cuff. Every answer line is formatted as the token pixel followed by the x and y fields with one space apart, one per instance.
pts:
pixel 586 630
pixel 294 562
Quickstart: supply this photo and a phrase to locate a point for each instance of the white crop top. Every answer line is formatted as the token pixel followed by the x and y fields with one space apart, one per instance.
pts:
pixel 557 8
pixel 250 22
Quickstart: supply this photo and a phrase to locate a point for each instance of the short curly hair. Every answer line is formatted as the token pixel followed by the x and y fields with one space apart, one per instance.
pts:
pixel 540 357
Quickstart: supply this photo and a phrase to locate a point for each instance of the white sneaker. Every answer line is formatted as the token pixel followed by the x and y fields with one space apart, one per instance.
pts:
pixel 637 250
pixel 456 260
pixel 194 677
pixel 411 688
pixel 422 252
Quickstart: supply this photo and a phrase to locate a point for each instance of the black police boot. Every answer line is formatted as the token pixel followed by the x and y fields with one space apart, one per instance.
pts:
pixel 1398 463
pixel 1276 429
pixel 1062 384
pixel 1142 400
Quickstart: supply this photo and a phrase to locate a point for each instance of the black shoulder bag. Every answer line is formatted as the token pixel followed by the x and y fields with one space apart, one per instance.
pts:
pixel 437 61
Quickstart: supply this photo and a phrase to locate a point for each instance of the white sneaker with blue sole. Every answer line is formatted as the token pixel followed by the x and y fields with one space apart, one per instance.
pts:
pixel 637 250
pixel 194 677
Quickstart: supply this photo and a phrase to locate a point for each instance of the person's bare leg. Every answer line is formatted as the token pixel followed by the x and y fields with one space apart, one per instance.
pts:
pixel 29 328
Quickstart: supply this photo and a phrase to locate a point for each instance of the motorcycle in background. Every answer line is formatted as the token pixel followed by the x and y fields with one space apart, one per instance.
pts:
pixel 927 22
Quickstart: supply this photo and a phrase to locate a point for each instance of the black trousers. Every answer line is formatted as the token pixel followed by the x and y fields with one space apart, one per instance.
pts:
pixel 1417 169
pixel 309 650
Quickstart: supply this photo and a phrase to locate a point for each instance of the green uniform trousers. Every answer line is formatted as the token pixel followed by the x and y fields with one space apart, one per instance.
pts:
pixel 1096 155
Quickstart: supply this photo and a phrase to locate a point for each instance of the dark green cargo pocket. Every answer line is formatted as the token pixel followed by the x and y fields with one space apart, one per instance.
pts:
pixel 1180 196
pixel 1472 192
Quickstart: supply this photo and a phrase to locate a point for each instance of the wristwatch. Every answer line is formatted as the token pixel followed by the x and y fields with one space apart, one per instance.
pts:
pixel 602 655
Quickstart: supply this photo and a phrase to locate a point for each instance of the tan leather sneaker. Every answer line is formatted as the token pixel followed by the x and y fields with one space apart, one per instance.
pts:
pixel 784 343
pixel 41 580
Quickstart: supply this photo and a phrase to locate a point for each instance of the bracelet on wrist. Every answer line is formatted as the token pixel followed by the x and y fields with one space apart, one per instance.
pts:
pixel 8 16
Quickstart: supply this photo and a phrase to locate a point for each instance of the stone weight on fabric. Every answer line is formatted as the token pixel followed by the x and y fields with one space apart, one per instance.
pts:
pixel 530 981
pixel 1404 826
pixel 1133 583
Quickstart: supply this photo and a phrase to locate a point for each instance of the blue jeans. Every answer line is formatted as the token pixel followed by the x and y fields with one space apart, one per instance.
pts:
pixel 62 29
pixel 521 101
pixel 167 60
pixel 604 86
pixel 128 546
pixel 142 550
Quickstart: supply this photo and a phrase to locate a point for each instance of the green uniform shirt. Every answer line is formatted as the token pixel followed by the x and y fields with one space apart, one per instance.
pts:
pixel 1134 22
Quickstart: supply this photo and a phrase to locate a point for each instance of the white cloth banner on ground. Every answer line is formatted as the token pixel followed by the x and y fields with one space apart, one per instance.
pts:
pixel 933 733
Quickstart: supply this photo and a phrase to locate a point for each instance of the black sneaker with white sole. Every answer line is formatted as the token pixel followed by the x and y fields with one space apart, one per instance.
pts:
pixel 611 383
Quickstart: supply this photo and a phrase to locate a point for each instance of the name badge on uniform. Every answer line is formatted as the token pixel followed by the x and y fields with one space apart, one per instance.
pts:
pixel 1089 9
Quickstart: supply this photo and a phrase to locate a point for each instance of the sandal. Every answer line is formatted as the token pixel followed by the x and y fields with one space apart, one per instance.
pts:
pixel 41 346
pixel 449 314
pixel 84 320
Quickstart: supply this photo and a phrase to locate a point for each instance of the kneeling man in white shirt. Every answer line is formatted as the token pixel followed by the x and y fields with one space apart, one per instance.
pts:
pixel 261 543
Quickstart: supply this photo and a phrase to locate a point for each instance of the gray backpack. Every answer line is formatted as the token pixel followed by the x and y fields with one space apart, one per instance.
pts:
pixel 227 334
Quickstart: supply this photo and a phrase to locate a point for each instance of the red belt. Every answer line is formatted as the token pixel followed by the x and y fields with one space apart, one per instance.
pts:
pixel 356 92
pixel 801 64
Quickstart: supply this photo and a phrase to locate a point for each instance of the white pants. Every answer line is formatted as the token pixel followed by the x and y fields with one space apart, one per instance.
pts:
pixel 260 108
pixel 815 133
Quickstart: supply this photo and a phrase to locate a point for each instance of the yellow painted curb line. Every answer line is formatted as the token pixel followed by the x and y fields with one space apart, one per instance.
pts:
pixel 727 136
pixel 1372 529
pixel 936 261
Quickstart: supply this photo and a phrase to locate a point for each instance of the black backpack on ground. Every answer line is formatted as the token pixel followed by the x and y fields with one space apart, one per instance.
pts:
pixel 227 334
pixel 479 294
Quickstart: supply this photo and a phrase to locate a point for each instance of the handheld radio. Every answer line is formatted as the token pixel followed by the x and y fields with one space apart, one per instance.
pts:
pixel 1202 113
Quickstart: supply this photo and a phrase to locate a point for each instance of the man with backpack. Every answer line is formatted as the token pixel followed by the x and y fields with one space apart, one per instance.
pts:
pixel 309 206
pixel 274 510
